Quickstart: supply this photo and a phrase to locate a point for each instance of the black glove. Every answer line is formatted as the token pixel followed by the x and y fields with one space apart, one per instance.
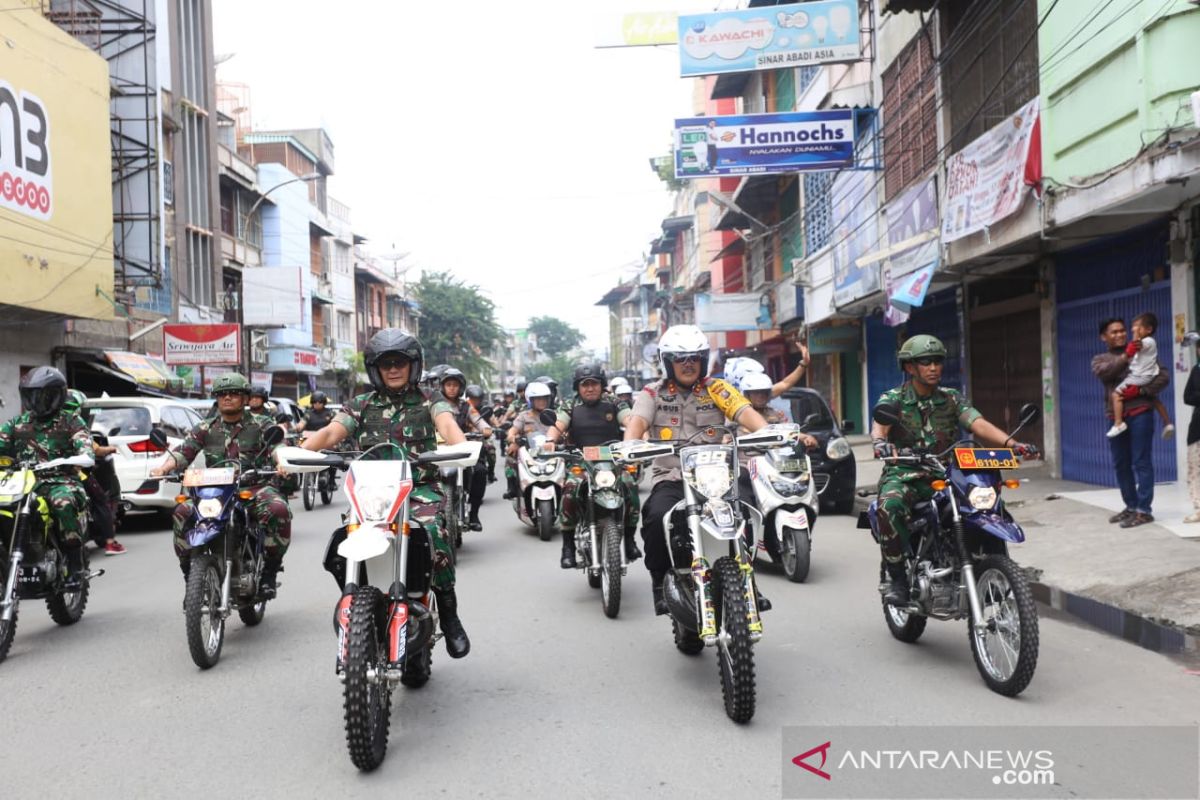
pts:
pixel 884 448
pixel 1025 450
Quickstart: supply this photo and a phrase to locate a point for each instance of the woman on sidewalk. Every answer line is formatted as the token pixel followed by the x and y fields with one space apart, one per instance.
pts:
pixel 1191 396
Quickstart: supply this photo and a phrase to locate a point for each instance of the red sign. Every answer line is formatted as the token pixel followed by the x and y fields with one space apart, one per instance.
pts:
pixel 203 344
pixel 302 359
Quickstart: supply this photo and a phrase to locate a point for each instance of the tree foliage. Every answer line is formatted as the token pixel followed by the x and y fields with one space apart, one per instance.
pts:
pixel 458 325
pixel 560 367
pixel 555 337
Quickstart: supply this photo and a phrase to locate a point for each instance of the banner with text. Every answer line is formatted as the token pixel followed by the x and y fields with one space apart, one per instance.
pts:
pixel 986 180
pixel 750 39
pixel 202 344
pixel 748 144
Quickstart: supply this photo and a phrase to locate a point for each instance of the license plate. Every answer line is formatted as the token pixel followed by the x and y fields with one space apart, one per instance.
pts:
pixel 210 477
pixel 985 458
pixel 791 465
pixel 603 453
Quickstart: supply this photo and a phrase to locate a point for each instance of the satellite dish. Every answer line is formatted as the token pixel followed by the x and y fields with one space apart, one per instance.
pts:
pixel 650 353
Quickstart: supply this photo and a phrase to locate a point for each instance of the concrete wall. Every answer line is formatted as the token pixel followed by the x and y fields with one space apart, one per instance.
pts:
pixel 27 345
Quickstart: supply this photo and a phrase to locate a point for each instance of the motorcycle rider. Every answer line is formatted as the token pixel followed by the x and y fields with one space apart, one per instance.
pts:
pixel 44 431
pixel 100 484
pixel 687 402
pixel 552 385
pixel 624 392
pixel 518 403
pixel 468 419
pixel 318 415
pixel 235 435
pixel 592 417
pixel 537 396
pixel 475 398
pixel 258 401
pixel 397 411
pixel 932 417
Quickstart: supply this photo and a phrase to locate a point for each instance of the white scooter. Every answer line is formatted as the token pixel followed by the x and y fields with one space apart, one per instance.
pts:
pixel 541 482
pixel 787 505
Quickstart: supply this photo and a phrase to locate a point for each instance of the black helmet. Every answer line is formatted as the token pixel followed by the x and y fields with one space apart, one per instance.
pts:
pixel 255 391
pixel 392 340
pixel 588 371
pixel 474 392
pixel 319 397
pixel 43 392
pixel 452 374
pixel 521 384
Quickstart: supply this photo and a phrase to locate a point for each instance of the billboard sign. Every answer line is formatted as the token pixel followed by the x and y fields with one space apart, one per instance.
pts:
pixel 273 296
pixel 203 344
pixel 636 29
pixel 750 39
pixel 855 203
pixel 752 144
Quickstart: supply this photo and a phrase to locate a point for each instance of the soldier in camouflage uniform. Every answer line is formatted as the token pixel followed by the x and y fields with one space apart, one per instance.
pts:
pixel 43 431
pixel 475 398
pixel 234 436
pixel 518 403
pixel 453 386
pixel 592 417
pixel 398 412
pixel 932 418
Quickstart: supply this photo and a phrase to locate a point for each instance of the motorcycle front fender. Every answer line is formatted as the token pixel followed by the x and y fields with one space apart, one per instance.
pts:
pixel 607 499
pixel 797 520
pixel 543 492
pixel 366 543
pixel 203 532
pixel 997 524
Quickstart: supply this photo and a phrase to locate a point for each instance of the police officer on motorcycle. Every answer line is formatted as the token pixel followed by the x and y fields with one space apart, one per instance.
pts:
pixel 687 402
pixel 318 415
pixel 932 418
pixel 397 411
pixel 593 417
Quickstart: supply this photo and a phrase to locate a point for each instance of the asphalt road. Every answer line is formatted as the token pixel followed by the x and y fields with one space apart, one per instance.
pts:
pixel 554 699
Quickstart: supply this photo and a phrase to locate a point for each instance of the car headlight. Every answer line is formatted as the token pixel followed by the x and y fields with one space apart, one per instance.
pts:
pixel 605 479
pixel 712 480
pixel 838 449
pixel 209 507
pixel 982 498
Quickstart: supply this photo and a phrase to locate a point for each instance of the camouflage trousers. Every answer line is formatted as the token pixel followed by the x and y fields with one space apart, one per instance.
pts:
pixel 68 502
pixel 269 509
pixel 572 510
pixel 510 466
pixel 897 495
pixel 425 507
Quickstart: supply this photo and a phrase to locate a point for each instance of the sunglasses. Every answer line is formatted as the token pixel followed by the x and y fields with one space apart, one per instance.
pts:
pixel 227 393
pixel 394 362
pixel 688 359
pixel 929 361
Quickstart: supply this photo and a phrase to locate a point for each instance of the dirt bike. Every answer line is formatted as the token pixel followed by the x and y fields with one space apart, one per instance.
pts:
pixel 386 619
pixel 964 529
pixel 712 601
pixel 456 489
pixel 33 561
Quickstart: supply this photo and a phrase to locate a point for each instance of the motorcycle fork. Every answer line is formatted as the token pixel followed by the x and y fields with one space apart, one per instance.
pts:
pixel 752 614
pixel 8 604
pixel 968 569
pixel 706 615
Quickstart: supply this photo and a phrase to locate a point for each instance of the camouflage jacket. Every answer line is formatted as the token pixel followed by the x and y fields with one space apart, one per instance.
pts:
pixel 930 423
pixel 224 443
pixel 405 420
pixel 685 412
pixel 25 438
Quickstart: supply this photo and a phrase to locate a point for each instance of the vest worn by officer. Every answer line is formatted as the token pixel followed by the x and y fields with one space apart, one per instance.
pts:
pixel 406 420
pixel 592 424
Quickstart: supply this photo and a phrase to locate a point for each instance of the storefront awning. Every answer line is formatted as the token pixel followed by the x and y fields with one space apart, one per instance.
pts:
pixel 146 371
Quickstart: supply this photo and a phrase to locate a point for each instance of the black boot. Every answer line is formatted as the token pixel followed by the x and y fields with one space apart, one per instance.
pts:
pixel 266 583
pixel 761 600
pixel 457 643
pixel 656 587
pixel 568 551
pixel 632 553
pixel 896 593
pixel 513 489
pixel 473 521
pixel 75 568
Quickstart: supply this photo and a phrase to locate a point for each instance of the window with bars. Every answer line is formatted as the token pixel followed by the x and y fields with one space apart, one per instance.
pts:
pixel 909 116
pixel 199 268
pixel 818 210
pixel 804 78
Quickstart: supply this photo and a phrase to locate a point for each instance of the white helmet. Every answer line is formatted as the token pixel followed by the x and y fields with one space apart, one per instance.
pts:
pixel 737 368
pixel 615 382
pixel 679 341
pixel 756 382
pixel 623 388
pixel 536 389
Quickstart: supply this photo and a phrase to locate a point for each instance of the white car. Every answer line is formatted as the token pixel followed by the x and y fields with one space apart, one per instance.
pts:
pixel 127 422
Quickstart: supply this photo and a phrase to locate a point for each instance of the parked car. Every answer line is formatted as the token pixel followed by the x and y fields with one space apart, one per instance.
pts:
pixel 127 422
pixel 834 469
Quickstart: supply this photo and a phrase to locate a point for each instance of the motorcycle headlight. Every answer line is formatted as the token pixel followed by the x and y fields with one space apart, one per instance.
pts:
pixel 838 449
pixel 605 479
pixel 712 480
pixel 209 508
pixel 785 487
pixel 982 498
pixel 374 503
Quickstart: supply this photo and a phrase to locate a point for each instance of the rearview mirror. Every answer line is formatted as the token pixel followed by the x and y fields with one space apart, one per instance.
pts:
pixel 811 421
pixel 273 435
pixel 547 417
pixel 1029 415
pixel 847 425
pixel 886 414
pixel 157 436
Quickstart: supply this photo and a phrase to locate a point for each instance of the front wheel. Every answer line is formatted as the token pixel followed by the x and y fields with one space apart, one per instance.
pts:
pixel 202 612
pixel 734 648
pixel 610 569
pixel 1006 646
pixel 66 608
pixel 309 491
pixel 7 629
pixel 545 519
pixel 367 697
pixel 795 547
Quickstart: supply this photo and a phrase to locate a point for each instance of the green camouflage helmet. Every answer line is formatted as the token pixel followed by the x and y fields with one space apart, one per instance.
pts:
pixel 231 382
pixel 74 402
pixel 922 346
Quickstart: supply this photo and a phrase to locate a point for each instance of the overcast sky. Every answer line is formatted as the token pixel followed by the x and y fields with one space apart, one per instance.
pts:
pixel 492 141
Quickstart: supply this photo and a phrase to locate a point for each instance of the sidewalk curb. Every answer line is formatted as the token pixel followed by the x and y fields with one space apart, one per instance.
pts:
pixel 1110 619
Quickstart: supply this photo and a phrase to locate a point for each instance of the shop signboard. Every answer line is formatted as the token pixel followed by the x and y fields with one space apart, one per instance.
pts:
pixel 203 344
pixel 763 144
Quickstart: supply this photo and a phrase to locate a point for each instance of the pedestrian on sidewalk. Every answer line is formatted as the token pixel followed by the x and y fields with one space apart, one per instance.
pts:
pixel 1132 449
pixel 1191 396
